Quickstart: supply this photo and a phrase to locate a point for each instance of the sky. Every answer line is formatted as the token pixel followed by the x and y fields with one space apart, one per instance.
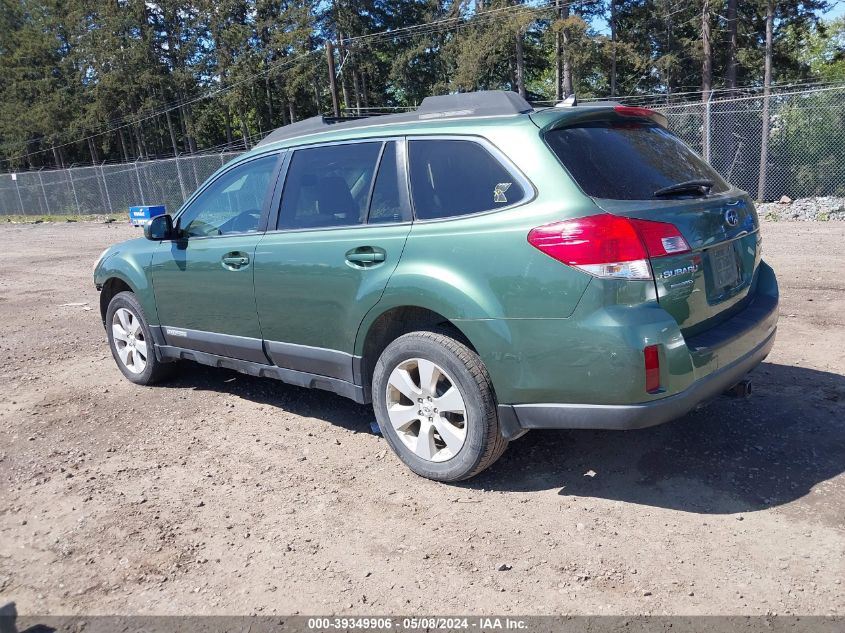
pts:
pixel 837 10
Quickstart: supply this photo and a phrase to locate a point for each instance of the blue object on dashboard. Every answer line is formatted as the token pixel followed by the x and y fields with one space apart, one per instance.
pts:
pixel 139 216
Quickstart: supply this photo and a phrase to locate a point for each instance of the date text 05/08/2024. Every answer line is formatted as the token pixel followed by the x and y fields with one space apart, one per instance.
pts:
pixel 415 623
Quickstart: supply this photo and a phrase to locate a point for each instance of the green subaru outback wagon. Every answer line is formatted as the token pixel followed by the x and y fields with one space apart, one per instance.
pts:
pixel 475 268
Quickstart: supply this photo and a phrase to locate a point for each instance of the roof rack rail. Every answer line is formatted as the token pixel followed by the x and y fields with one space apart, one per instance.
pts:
pixel 313 124
pixel 465 104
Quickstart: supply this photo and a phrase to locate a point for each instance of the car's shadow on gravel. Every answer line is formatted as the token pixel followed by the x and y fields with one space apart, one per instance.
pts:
pixel 729 456
pixel 312 403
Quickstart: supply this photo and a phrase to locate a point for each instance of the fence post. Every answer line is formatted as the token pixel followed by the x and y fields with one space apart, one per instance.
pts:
pixel 193 160
pixel 181 180
pixel 764 149
pixel 707 127
pixel 43 192
pixel 221 159
pixel 73 187
pixel 18 189
pixel 140 187
pixel 106 187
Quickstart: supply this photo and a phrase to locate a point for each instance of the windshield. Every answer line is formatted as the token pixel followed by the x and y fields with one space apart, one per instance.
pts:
pixel 629 161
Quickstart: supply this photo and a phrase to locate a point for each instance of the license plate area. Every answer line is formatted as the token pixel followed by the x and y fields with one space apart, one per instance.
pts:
pixel 724 267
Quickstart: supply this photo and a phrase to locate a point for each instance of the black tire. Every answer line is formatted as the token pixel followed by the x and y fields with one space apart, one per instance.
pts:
pixel 154 370
pixel 484 443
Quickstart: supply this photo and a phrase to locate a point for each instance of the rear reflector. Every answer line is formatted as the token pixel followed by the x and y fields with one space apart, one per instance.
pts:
pixel 652 368
pixel 608 245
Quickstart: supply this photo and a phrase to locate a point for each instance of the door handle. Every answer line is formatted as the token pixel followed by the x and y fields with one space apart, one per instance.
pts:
pixel 365 255
pixel 234 261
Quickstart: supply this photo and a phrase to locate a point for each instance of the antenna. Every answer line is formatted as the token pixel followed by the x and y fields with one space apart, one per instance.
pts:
pixel 570 102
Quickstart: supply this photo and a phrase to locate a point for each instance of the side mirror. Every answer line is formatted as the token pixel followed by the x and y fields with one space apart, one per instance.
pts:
pixel 159 228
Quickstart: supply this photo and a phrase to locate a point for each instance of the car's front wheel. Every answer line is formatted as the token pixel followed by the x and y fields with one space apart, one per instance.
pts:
pixel 435 406
pixel 131 343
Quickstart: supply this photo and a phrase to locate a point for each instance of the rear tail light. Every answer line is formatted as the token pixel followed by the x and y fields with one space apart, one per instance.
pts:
pixel 660 238
pixel 652 368
pixel 608 245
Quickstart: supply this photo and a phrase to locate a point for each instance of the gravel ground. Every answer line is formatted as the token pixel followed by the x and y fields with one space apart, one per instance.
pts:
pixel 821 209
pixel 220 493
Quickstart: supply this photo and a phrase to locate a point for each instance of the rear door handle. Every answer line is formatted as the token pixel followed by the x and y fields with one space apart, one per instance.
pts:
pixel 233 261
pixel 365 255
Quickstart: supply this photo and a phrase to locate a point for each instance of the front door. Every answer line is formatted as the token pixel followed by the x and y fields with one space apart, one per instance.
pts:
pixel 203 281
pixel 343 221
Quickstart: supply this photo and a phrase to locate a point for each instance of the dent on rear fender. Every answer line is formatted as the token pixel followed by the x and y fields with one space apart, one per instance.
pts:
pixel 442 289
pixel 441 298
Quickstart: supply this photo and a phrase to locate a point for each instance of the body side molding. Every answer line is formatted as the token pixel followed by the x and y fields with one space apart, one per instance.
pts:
pixel 290 376
pixel 313 360
pixel 224 345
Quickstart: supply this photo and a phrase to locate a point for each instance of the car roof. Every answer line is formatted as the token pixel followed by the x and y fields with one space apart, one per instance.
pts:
pixel 463 107
pixel 468 112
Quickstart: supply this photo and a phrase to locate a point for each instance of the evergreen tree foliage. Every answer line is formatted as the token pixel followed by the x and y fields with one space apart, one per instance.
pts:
pixel 120 80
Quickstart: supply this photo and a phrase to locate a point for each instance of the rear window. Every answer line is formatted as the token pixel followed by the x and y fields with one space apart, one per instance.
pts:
pixel 450 178
pixel 628 161
pixel 328 186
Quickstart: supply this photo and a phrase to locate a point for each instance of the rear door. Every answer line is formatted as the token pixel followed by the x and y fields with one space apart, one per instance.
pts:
pixel 632 167
pixel 342 223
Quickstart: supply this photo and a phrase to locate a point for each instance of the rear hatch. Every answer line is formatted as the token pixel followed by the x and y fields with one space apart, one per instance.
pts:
pixel 631 166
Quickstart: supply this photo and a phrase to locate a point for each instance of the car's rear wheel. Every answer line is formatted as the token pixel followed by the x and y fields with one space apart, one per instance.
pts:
pixel 435 406
pixel 131 343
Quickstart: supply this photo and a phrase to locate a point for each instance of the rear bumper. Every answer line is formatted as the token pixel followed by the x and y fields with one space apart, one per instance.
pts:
pixel 517 418
pixel 609 395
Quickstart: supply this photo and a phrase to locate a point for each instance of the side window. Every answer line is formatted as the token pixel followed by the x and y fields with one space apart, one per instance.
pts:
pixel 232 203
pixel 328 186
pixel 453 177
pixel 386 204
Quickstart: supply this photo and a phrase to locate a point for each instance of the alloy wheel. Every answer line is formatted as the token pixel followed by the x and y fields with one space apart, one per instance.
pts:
pixel 129 340
pixel 427 410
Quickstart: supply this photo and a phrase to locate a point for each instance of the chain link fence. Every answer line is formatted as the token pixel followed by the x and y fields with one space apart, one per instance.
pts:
pixel 806 138
pixel 104 189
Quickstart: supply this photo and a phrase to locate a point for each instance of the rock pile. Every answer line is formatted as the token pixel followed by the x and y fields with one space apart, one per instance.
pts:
pixel 820 209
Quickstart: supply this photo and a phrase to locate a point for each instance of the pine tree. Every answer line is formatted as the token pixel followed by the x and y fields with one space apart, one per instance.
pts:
pixel 86 82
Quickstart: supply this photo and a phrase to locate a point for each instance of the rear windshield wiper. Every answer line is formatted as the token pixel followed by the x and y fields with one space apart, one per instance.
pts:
pixel 700 186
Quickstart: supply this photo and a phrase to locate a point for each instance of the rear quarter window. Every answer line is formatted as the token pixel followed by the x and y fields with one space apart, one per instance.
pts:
pixel 451 178
pixel 628 161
